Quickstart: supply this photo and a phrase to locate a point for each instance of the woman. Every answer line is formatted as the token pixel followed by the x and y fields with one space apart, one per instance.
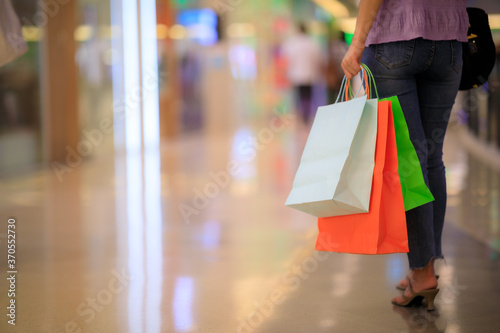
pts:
pixel 413 48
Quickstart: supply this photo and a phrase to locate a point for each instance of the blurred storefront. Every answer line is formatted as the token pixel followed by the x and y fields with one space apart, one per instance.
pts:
pixel 65 100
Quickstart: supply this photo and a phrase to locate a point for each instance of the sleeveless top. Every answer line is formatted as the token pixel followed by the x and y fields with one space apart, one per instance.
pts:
pixel 400 20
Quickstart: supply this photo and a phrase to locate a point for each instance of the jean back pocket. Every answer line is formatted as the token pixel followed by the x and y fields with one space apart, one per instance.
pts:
pixel 395 54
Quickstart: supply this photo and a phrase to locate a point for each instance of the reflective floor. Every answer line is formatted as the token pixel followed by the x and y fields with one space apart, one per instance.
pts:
pixel 196 239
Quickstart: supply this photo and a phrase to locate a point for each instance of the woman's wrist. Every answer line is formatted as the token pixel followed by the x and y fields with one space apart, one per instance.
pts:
pixel 358 43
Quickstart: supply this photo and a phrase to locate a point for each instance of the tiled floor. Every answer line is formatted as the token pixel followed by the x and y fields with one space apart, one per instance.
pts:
pixel 196 239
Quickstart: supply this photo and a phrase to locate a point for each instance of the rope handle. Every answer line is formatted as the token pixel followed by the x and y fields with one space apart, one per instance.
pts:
pixel 371 78
pixel 348 91
pixel 344 87
pixel 368 82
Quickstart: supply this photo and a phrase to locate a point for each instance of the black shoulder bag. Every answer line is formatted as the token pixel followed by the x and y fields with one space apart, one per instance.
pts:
pixel 479 51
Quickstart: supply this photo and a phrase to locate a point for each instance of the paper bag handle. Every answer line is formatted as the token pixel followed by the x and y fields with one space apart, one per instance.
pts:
pixel 368 82
pixel 367 86
pixel 344 87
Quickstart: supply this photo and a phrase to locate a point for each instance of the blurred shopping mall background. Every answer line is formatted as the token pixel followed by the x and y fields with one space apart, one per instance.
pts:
pixel 169 69
pixel 158 140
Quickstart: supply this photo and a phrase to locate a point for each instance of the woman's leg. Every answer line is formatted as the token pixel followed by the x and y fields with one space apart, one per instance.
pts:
pixel 437 89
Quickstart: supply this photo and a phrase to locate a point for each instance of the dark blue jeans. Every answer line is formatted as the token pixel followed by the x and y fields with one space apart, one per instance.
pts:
pixel 425 76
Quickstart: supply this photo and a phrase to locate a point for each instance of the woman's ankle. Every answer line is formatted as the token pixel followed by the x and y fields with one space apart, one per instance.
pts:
pixel 424 276
pixel 420 278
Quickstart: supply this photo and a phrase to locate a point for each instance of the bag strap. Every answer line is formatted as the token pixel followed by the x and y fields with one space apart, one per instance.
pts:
pixel 348 91
pixel 344 87
pixel 371 79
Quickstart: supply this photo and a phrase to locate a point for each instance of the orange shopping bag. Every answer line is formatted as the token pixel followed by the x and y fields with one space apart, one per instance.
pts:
pixel 383 229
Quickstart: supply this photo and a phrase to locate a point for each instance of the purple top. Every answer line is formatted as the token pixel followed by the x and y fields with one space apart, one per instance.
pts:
pixel 430 19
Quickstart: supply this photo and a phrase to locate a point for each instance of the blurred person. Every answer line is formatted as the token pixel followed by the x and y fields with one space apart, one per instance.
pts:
pixel 414 49
pixel 337 48
pixel 12 46
pixel 12 43
pixel 304 66
pixel 218 100
pixel 190 74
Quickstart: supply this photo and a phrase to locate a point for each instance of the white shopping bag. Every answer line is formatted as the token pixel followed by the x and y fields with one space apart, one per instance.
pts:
pixel 12 43
pixel 336 169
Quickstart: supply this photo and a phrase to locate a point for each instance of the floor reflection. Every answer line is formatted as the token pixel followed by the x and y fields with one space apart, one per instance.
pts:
pixel 419 320
pixel 479 211
pixel 182 304
pixel 143 233
pixel 135 244
pixel 153 239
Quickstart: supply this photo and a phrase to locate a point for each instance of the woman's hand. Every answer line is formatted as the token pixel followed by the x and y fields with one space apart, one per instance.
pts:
pixel 367 13
pixel 352 60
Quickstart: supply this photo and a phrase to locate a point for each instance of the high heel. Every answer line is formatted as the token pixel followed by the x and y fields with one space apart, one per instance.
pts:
pixel 403 288
pixel 416 298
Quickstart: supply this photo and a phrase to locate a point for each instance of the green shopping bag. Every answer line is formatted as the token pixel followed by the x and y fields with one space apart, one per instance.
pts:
pixel 415 191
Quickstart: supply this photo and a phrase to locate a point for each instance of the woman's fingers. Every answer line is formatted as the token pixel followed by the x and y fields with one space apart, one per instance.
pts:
pixel 351 67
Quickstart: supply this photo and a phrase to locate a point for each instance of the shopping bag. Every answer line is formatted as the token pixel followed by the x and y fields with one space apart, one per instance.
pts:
pixel 415 191
pixel 336 167
pixel 383 229
pixel 12 44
